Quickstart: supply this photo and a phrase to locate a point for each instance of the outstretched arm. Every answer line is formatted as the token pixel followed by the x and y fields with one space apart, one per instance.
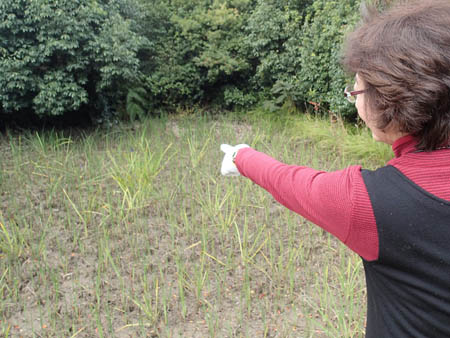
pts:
pixel 336 201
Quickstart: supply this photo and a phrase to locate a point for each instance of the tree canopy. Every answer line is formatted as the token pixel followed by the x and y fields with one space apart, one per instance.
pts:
pixel 136 56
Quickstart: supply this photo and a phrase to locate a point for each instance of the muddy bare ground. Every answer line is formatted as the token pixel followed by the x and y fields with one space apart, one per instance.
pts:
pixel 183 259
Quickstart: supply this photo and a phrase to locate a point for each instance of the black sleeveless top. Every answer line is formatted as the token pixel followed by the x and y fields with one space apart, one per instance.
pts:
pixel 408 286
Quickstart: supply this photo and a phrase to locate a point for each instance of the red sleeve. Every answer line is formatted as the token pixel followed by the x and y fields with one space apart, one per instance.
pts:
pixel 336 201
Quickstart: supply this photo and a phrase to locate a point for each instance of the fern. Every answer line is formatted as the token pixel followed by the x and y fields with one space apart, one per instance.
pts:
pixel 137 103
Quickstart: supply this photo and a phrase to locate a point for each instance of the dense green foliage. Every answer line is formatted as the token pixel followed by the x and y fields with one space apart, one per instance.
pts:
pixel 320 77
pixel 236 52
pixel 199 54
pixel 62 56
pixel 136 56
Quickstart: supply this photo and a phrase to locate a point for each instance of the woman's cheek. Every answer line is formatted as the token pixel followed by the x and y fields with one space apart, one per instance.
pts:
pixel 361 112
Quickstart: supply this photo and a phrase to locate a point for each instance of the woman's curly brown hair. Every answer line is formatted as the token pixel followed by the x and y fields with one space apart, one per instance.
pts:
pixel 403 56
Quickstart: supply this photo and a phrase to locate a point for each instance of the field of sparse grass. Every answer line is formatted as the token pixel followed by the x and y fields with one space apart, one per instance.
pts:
pixel 133 232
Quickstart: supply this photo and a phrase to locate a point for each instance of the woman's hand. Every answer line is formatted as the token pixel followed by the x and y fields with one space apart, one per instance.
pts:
pixel 228 166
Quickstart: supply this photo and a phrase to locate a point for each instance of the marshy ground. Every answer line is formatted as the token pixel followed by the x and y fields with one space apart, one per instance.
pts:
pixel 133 232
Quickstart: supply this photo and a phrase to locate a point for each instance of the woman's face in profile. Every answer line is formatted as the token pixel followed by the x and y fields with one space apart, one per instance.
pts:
pixel 360 102
pixel 387 135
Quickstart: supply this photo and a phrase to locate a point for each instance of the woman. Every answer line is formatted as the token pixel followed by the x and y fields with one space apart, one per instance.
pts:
pixel 396 218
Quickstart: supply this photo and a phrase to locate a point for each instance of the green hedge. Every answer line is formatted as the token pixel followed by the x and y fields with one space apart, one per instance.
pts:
pixel 60 56
pixel 234 53
pixel 200 56
pixel 320 77
pixel 136 56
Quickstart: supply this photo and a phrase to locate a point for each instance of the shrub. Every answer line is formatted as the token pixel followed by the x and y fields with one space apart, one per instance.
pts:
pixel 200 54
pixel 271 25
pixel 61 56
pixel 320 77
pixel 295 46
pixel 233 53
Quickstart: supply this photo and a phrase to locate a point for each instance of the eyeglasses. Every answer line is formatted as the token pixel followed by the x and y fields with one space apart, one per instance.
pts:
pixel 350 95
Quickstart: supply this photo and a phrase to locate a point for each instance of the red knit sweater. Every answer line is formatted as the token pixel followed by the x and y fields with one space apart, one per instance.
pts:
pixel 338 201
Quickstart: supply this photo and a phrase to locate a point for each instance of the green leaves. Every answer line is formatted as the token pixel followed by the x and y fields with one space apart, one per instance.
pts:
pixel 320 76
pixel 200 53
pixel 233 52
pixel 137 103
pixel 56 94
pixel 59 56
